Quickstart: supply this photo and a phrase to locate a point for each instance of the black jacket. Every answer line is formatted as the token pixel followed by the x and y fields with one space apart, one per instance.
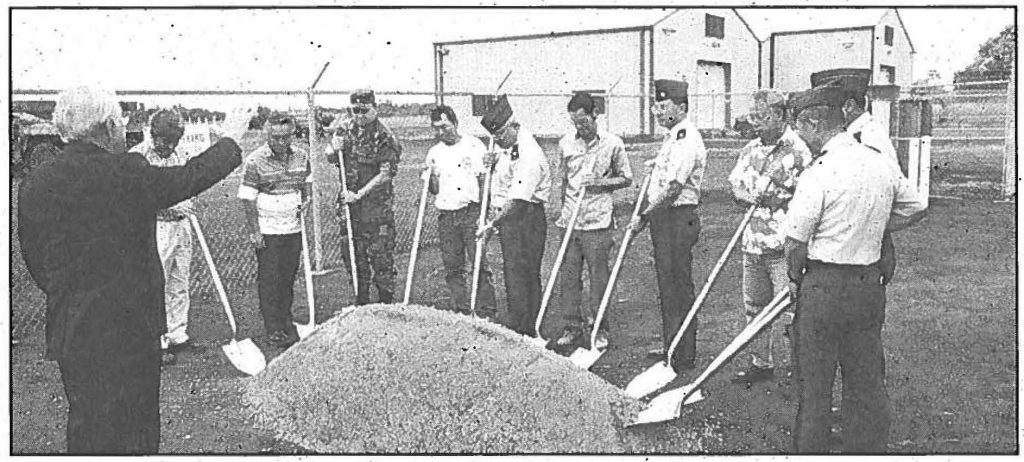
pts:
pixel 87 227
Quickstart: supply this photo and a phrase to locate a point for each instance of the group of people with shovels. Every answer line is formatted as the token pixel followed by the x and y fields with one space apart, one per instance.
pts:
pixel 821 188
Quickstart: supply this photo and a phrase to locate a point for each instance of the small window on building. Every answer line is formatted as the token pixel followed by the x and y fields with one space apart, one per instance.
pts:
pixel 714 26
pixel 888 74
pixel 888 35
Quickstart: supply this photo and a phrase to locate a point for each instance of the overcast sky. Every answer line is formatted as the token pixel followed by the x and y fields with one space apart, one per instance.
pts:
pixel 388 49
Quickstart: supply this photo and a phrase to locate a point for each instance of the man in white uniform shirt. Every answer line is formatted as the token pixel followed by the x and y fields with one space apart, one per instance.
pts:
pixel 866 130
pixel 456 166
pixel 521 187
pixel 842 205
pixel 173 232
pixel 672 200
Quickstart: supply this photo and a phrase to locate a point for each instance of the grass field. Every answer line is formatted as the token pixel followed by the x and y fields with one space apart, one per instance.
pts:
pixel 950 335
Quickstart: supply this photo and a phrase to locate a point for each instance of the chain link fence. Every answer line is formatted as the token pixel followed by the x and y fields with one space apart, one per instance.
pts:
pixel 973 156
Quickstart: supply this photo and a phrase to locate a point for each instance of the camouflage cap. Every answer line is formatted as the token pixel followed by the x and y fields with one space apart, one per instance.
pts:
pixel 362 96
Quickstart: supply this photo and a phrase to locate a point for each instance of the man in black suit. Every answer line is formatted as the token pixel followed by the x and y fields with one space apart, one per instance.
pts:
pixel 87 225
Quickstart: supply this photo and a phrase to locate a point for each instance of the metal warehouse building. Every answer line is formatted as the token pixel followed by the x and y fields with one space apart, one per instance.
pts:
pixel 872 38
pixel 724 53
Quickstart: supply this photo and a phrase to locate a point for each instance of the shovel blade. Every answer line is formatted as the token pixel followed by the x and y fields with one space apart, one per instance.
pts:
pixel 651 380
pixel 304 330
pixel 667 406
pixel 585 359
pixel 538 341
pixel 245 356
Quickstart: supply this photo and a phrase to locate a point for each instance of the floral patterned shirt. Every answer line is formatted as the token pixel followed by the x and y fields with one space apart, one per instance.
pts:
pixel 766 175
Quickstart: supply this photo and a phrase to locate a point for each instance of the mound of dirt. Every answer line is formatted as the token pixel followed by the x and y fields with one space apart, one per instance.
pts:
pixel 413 379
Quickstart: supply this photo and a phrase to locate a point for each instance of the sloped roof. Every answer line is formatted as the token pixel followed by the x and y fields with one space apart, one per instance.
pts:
pixel 514 24
pixel 762 22
pixel 768 21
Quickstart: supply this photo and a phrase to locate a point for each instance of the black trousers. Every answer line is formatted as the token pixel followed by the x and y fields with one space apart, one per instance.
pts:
pixel 674 231
pixel 113 402
pixel 278 262
pixel 839 317
pixel 522 246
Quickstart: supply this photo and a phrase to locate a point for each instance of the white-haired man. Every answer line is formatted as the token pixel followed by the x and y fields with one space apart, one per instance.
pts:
pixel 765 175
pixel 173 231
pixel 87 226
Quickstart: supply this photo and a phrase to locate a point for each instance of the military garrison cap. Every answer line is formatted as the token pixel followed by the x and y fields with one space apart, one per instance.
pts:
pixel 831 96
pixel 362 96
pixel 674 90
pixel 497 114
pixel 854 81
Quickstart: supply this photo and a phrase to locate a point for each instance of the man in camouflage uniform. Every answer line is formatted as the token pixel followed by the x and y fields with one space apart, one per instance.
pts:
pixel 371 155
pixel 765 175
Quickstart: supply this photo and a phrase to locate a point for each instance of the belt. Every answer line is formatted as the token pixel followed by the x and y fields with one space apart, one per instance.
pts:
pixel 170 219
pixel 837 266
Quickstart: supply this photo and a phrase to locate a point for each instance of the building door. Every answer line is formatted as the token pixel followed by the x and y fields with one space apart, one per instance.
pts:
pixel 888 74
pixel 709 100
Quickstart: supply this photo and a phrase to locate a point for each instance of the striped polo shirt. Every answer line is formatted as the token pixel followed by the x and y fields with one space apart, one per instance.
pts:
pixel 276 183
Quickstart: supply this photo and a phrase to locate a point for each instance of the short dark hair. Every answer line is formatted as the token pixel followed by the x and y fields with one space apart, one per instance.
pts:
pixel 447 111
pixel 858 98
pixel 582 100
pixel 280 118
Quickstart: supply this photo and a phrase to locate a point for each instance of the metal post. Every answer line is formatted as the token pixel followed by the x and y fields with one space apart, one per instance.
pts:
pixel 1009 141
pixel 312 138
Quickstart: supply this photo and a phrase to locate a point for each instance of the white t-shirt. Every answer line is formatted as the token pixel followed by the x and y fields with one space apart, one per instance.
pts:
pixel 457 167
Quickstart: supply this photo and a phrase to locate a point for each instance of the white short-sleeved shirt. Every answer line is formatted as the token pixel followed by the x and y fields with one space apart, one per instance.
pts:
pixel 276 185
pixel 867 131
pixel 844 200
pixel 176 159
pixel 681 159
pixel 526 177
pixel 457 168
pixel 605 156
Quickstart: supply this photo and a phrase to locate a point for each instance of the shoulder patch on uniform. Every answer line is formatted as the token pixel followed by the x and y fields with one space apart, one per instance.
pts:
pixel 681 134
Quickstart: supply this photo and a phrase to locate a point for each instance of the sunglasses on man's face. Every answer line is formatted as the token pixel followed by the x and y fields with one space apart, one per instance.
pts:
pixel 359 110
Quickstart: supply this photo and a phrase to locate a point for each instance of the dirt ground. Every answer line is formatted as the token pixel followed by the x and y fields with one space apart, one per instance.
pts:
pixel 950 340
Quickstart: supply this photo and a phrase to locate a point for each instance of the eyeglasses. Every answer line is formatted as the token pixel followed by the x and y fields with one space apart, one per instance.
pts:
pixel 359 110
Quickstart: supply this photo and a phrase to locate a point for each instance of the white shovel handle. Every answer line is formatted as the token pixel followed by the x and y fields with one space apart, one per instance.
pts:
pixel 479 255
pixel 772 311
pixel 348 226
pixel 549 288
pixel 569 227
pixel 213 273
pixel 308 270
pixel 416 242
pixel 613 277
pixel 707 284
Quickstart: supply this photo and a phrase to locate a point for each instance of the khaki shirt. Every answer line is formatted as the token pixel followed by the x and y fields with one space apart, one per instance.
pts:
pixel 522 173
pixel 768 173
pixel 844 200
pixel 681 159
pixel 604 157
